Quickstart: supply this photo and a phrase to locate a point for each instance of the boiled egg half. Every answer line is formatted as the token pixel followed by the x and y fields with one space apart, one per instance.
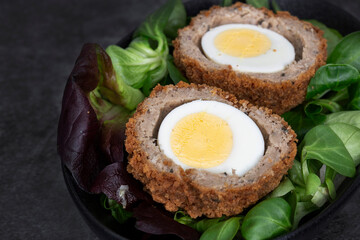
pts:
pixel 211 135
pixel 248 48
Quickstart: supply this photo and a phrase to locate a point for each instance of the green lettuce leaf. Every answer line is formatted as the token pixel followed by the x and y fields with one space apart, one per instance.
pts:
pixel 321 143
pixel 331 77
pixel 347 51
pixel 268 219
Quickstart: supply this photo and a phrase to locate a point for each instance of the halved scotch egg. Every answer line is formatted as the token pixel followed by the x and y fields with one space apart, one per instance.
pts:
pixel 255 54
pixel 199 149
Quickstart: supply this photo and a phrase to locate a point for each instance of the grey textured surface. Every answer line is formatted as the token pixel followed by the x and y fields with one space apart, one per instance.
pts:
pixel 39 43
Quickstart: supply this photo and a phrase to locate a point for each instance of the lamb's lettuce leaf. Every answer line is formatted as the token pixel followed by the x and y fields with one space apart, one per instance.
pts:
pixel 226 3
pixel 347 51
pixel 200 225
pixel 275 6
pixel 259 3
pixel 154 25
pixel 350 136
pixel 112 86
pixel 322 143
pixel 174 73
pixel 176 20
pixel 224 230
pixel 354 95
pixel 331 77
pixel 117 210
pixel 295 174
pixel 267 219
pixel 144 63
pixel 139 62
pixel 299 121
pixel 282 189
pixel 299 208
pixel 313 182
pixel 348 117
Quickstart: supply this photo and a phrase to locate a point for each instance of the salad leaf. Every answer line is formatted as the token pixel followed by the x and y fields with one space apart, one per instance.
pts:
pixel 154 25
pixel 259 3
pixel 347 51
pixel 144 63
pixel 225 230
pixel 284 188
pixel 312 184
pixel 79 128
pixel 331 35
pixel 111 85
pixel 105 110
pixel 268 219
pixel 299 121
pixel 299 208
pixel 314 166
pixel 295 174
pixel 176 20
pixel 139 62
pixel 354 93
pixel 331 77
pixel 183 218
pixel 205 224
pixel 226 3
pixel 199 225
pixel 350 136
pixel 329 173
pixel 174 72
pixel 316 107
pixel 348 117
pixel 331 188
pixel 117 184
pixel 275 6
pixel 321 143
pixel 321 196
pixel 152 220
pixel 117 210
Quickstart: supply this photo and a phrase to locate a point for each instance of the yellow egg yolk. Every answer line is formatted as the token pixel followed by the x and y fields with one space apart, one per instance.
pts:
pixel 242 43
pixel 201 140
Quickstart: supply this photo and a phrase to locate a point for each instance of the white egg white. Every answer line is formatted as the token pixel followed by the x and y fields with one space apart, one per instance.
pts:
pixel 248 142
pixel 280 54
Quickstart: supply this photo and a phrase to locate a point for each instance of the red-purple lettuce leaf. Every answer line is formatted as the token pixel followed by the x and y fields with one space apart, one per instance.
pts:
pixel 114 181
pixel 79 128
pixel 117 184
pixel 153 220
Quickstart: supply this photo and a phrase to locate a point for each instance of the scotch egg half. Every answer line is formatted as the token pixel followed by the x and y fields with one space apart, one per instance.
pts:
pixel 248 48
pixel 213 136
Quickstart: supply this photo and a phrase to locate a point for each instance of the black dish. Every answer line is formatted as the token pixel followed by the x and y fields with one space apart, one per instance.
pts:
pixel 101 221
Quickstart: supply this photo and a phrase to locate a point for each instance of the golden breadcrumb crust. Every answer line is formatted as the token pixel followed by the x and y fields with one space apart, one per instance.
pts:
pixel 280 96
pixel 179 191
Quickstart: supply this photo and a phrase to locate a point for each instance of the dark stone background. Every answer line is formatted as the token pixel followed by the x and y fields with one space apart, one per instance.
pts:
pixel 39 43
